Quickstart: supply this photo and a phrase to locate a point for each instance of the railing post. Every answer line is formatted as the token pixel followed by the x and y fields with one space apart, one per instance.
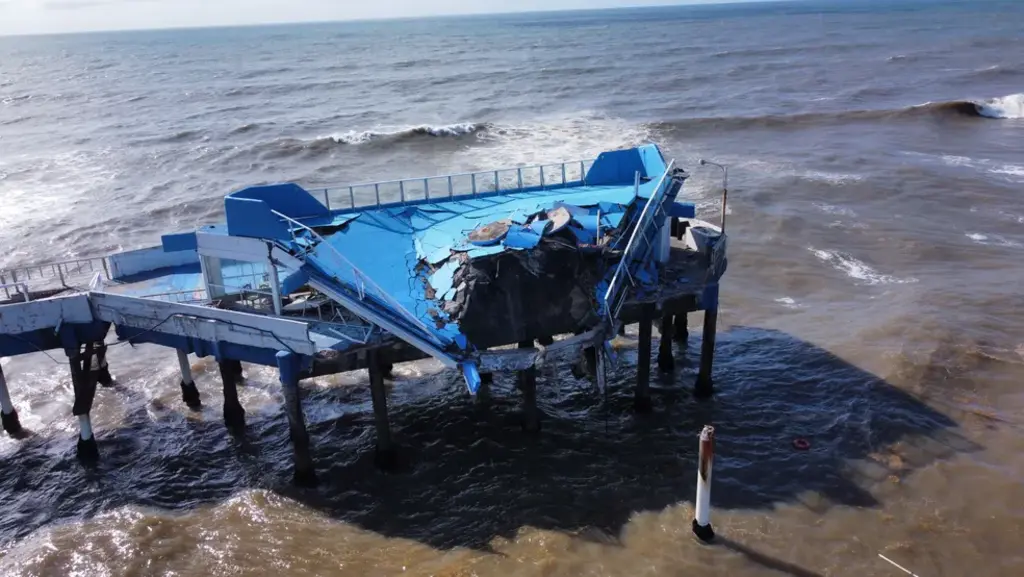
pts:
pixel 451 188
pixel 376 189
pixel 519 175
pixel 327 198
pixel 352 196
pixel 426 188
pixel 472 178
pixel 401 190
pixel 563 174
pixel 583 172
pixel 496 185
pixel 542 177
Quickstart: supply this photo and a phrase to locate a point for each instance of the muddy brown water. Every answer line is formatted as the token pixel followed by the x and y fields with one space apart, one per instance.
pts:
pixel 872 304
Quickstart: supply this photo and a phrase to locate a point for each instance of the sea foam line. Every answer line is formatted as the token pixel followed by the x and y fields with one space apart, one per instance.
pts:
pixel 857 269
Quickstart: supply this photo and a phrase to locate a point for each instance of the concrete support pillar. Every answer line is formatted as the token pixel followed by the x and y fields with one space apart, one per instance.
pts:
pixel 234 414
pixel 386 456
pixel 666 362
pixel 704 386
pixel 682 332
pixel 642 398
pixel 189 391
pixel 99 365
pixel 527 383
pixel 8 415
pixel 84 384
pixel 289 365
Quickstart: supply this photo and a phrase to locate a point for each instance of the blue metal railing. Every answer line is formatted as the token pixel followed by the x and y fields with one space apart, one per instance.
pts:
pixel 454 185
pixel 638 249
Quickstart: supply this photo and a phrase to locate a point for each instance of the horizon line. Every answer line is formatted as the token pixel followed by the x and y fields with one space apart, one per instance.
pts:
pixel 640 6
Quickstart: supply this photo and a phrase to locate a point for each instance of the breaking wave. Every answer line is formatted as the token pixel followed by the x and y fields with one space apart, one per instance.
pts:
pixel 1006 107
pixel 857 269
pixel 449 131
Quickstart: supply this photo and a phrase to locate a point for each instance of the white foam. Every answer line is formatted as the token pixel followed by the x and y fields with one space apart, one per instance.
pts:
pixel 857 269
pixel 833 209
pixel 787 302
pixel 993 240
pixel 1009 169
pixel 581 135
pixel 1011 106
pixel 364 136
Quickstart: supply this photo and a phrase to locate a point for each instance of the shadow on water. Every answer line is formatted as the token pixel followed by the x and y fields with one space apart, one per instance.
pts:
pixel 472 475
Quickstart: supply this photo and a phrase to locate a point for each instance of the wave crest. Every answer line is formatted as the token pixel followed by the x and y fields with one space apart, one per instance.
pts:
pixel 1006 107
pixel 443 131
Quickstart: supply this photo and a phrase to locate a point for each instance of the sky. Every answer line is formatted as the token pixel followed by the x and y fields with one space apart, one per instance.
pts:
pixel 60 16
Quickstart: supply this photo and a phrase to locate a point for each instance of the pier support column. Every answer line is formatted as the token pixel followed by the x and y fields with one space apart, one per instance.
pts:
pixel 8 415
pixel 189 391
pixel 84 384
pixel 236 369
pixel 705 386
pixel 99 365
pixel 587 365
pixel 289 365
pixel 234 414
pixel 642 399
pixel 682 331
pixel 527 383
pixel 386 456
pixel 666 362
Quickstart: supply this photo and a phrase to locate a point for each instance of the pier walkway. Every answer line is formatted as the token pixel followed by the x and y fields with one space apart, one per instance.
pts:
pixel 456 268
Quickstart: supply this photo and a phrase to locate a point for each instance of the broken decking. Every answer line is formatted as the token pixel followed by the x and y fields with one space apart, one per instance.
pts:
pixel 291 283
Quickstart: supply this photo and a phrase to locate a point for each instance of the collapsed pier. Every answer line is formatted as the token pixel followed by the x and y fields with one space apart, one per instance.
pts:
pixel 503 270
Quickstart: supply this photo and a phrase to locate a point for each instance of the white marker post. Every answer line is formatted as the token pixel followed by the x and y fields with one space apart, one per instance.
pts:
pixel 702 516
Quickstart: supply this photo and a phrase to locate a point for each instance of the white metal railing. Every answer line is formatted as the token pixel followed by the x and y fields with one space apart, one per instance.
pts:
pixel 338 321
pixel 364 285
pixel 60 271
pixel 20 288
pixel 194 296
pixel 640 244
pixel 455 185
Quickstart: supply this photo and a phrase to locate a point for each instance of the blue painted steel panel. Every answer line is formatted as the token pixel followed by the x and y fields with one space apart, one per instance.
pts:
pixel 289 199
pixel 682 210
pixel 179 241
pixel 252 218
pixel 521 237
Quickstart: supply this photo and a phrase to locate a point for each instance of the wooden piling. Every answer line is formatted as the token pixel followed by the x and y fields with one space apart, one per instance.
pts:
pixel 289 370
pixel 705 386
pixel 682 330
pixel 527 383
pixel 385 454
pixel 99 365
pixel 642 398
pixel 189 391
pixel 8 415
pixel 234 414
pixel 84 384
pixel 666 362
